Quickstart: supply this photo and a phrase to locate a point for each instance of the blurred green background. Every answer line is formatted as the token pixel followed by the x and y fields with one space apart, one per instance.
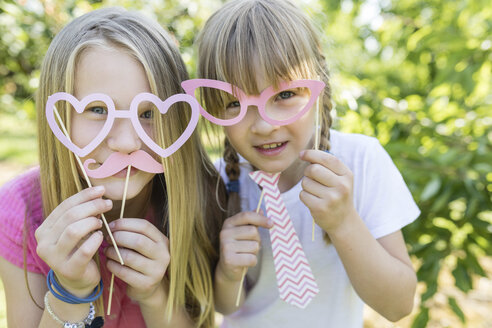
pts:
pixel 415 74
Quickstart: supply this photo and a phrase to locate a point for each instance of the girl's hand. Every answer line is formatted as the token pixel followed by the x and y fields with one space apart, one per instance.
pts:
pixel 69 238
pixel 145 251
pixel 240 243
pixel 327 190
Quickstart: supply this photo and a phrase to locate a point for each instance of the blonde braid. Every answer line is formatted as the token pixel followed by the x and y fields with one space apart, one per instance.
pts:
pixel 233 171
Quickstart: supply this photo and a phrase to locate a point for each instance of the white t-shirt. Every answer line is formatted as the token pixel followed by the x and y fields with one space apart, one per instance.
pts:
pixel 382 200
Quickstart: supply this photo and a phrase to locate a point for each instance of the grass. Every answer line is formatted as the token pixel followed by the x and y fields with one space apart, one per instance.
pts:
pixel 3 307
pixel 17 139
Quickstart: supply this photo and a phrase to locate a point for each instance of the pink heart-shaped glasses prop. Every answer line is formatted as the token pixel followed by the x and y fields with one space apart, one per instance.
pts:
pixel 132 114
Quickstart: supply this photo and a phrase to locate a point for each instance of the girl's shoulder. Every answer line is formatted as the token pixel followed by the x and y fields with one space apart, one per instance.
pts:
pixel 21 187
pixel 354 150
pixel 20 200
pixel 19 195
pixel 352 142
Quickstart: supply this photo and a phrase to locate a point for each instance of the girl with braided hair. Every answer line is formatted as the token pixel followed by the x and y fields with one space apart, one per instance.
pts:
pixel 261 71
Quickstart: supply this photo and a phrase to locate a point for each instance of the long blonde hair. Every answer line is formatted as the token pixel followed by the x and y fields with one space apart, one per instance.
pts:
pixel 186 197
pixel 275 38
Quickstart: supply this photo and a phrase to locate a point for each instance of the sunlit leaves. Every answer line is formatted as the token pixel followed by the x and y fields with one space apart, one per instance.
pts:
pixel 426 75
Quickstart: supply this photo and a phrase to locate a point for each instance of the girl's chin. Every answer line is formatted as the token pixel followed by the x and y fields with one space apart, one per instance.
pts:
pixel 272 165
pixel 118 196
pixel 115 191
pixel 271 168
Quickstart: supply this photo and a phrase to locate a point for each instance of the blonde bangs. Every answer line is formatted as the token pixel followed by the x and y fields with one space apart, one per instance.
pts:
pixel 250 39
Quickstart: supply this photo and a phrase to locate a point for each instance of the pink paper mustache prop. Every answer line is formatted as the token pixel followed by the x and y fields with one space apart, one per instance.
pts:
pixel 119 161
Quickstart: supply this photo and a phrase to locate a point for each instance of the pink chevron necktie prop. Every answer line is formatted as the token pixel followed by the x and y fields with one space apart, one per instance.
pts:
pixel 295 280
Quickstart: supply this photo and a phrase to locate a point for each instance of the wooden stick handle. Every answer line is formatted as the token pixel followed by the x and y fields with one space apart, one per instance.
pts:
pixel 110 298
pixel 316 146
pixel 245 270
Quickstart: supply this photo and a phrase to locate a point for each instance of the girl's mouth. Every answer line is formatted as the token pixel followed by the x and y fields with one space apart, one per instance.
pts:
pixel 123 173
pixel 271 149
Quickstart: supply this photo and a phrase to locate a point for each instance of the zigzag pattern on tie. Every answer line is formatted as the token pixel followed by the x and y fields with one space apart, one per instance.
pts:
pixel 276 204
pixel 299 295
pixel 302 299
pixel 291 265
pixel 283 236
pixel 289 259
pixel 295 280
pixel 292 269
pixel 301 283
pixel 261 177
pixel 297 271
pixel 296 285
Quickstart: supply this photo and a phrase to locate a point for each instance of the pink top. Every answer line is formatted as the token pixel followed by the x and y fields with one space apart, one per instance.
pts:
pixel 20 199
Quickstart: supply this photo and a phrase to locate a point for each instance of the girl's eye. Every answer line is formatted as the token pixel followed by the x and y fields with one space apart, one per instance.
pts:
pixel 233 104
pixel 285 95
pixel 98 110
pixel 147 114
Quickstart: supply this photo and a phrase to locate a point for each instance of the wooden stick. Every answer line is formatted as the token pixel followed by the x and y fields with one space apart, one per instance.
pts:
pixel 88 183
pixel 316 147
pixel 122 211
pixel 110 298
pixel 316 135
pixel 246 268
pixel 125 191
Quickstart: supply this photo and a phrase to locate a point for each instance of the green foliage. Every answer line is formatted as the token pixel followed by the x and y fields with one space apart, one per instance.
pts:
pixel 456 309
pixel 421 319
pixel 415 74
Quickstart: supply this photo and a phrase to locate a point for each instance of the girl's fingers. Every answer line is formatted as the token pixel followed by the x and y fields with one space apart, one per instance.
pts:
pixel 321 174
pixel 325 159
pixel 84 253
pixel 248 218
pixel 74 233
pixel 140 226
pixel 242 253
pixel 138 242
pixel 133 278
pixel 79 198
pixel 246 247
pixel 82 211
pixel 246 232
pixel 232 259
pixel 314 187
pixel 310 200
pixel 133 260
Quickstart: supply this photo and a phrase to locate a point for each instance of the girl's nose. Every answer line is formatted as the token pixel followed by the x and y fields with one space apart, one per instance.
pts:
pixel 259 125
pixel 123 137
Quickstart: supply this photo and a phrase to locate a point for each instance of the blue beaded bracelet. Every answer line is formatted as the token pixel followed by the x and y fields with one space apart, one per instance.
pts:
pixel 62 294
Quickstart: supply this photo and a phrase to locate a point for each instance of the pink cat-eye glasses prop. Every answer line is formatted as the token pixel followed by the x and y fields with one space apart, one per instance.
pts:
pixel 112 114
pixel 277 106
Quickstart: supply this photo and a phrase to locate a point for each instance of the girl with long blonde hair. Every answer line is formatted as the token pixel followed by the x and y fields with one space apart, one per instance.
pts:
pixel 51 220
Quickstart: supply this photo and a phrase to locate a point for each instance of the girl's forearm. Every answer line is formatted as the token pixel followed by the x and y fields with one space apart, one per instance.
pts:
pixel 383 281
